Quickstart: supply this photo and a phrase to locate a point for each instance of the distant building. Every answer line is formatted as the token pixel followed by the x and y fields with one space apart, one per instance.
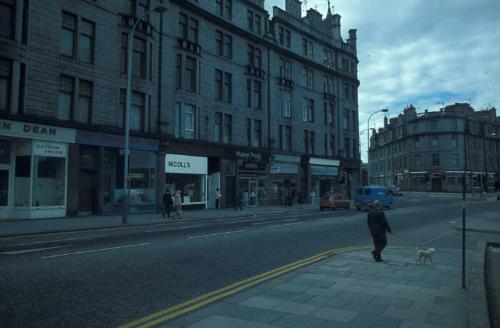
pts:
pixel 364 174
pixel 223 97
pixel 425 151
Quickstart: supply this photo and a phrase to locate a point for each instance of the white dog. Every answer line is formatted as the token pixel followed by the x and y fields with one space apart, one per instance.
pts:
pixel 423 255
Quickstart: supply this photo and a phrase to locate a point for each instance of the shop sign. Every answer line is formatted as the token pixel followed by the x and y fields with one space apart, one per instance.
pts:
pixel 185 164
pixel 249 156
pixel 252 166
pixel 49 149
pixel 323 161
pixel 4 151
pixel 36 131
pixel 324 170
pixel 284 168
pixel 251 161
pixel 115 140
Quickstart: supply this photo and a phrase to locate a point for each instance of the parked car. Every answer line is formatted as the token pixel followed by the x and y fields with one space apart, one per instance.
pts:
pixel 333 201
pixel 395 191
pixel 367 195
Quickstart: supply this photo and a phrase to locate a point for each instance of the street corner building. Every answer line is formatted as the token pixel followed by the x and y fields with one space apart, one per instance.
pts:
pixel 224 94
pixel 430 151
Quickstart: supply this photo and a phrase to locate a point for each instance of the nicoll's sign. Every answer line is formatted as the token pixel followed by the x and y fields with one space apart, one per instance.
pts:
pixel 36 131
pixel 185 164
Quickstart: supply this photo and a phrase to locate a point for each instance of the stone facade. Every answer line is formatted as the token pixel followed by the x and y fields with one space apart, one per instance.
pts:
pixel 64 65
pixel 425 151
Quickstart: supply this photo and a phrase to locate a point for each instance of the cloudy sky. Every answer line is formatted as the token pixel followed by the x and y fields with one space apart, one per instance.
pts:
pixel 421 52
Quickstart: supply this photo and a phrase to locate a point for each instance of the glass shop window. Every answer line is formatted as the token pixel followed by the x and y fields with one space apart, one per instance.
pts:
pixel 49 181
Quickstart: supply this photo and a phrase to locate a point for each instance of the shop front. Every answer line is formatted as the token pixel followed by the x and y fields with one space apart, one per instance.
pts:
pixel 33 170
pixel 324 177
pixel 419 181
pixel 98 160
pixel 189 175
pixel 284 177
pixel 252 177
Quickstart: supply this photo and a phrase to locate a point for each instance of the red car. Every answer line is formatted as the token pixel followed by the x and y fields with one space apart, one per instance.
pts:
pixel 333 201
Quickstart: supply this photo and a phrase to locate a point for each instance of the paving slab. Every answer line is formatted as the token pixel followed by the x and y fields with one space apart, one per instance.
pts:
pixel 319 297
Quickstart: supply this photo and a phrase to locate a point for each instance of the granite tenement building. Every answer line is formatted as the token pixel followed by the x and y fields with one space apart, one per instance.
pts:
pixel 224 95
pixel 429 151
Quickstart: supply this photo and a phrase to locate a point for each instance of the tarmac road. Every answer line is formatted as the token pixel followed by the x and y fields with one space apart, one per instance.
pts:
pixel 110 277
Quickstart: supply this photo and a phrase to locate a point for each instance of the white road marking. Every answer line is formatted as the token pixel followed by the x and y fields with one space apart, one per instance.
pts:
pixel 54 241
pixel 94 250
pixel 32 250
pixel 269 222
pixel 260 223
pixel 178 228
pixel 216 234
pixel 287 224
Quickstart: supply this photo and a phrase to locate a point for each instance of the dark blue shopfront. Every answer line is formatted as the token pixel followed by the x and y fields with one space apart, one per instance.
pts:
pixel 99 158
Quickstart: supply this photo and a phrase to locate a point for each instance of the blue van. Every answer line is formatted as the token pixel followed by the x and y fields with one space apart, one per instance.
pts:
pixel 366 195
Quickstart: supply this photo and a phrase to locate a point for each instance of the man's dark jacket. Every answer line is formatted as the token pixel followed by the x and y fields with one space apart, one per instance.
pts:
pixel 167 199
pixel 377 222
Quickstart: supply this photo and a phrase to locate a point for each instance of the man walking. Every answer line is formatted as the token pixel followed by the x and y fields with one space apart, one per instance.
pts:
pixel 378 227
pixel 167 203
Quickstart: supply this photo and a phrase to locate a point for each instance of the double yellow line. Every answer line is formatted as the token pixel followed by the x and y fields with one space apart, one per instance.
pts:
pixel 200 301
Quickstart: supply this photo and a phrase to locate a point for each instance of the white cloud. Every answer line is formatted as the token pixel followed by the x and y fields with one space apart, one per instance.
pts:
pixel 421 52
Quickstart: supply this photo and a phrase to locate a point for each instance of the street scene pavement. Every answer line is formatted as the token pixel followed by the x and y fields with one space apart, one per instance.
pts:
pixel 296 268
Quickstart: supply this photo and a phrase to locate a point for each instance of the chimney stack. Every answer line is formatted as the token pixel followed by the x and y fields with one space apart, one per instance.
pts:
pixel 352 39
pixel 294 8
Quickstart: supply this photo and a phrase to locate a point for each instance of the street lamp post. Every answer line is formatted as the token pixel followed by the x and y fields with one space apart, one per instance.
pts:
pixel 384 110
pixel 359 145
pixel 464 186
pixel 158 9
pixel 485 159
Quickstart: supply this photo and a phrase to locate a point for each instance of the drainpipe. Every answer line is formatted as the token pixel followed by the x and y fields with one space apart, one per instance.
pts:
pixel 160 75
pixel 268 97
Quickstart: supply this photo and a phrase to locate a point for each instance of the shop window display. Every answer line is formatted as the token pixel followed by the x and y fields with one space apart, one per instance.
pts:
pixel 192 187
pixel 49 181
pixel 142 173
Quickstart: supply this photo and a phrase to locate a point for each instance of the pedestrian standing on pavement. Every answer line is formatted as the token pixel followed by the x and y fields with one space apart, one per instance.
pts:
pixel 167 203
pixel 218 196
pixel 378 225
pixel 178 205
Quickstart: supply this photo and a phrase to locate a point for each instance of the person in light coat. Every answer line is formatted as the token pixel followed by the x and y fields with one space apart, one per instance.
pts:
pixel 178 205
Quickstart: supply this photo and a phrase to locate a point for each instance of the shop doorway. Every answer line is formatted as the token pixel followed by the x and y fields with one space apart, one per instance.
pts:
pixel 4 193
pixel 248 189
pixel 436 184
pixel 86 193
pixel 213 184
